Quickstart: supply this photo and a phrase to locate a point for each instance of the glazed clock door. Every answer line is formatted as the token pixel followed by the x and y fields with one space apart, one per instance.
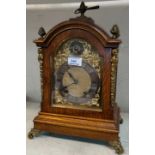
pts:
pixel 77 72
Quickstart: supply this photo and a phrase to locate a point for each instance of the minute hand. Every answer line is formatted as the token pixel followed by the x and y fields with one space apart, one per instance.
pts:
pixel 72 77
pixel 65 87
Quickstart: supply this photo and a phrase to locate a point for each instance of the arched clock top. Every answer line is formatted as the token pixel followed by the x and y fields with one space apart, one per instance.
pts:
pixel 79 23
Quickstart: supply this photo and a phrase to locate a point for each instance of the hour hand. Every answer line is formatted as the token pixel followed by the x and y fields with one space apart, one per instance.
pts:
pixel 72 77
pixel 65 88
pixel 86 93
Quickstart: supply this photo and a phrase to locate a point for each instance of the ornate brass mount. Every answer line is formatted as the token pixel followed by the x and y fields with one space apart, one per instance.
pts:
pixel 33 133
pixel 40 59
pixel 83 8
pixel 117 146
pixel 114 62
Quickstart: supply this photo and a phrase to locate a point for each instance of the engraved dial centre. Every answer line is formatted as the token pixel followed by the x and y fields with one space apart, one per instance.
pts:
pixel 77 80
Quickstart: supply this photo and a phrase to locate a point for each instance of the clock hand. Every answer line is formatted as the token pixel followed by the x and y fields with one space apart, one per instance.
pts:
pixel 72 77
pixel 65 87
pixel 86 93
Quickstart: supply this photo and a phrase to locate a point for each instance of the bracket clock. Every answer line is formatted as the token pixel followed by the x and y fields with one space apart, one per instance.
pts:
pixel 78 68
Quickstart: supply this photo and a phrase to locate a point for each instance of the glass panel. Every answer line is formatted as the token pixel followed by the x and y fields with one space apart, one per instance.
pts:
pixel 77 71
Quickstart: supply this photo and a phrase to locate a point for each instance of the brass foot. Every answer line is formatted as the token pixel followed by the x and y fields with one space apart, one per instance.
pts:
pixel 33 133
pixel 117 146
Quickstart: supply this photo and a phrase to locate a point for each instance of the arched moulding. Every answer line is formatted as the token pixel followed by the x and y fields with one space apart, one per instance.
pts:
pixel 79 24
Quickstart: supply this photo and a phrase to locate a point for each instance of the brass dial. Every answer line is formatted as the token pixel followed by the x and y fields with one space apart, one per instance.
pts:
pixel 77 84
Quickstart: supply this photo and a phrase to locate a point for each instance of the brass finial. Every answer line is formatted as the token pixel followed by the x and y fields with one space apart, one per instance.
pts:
pixel 115 32
pixel 42 32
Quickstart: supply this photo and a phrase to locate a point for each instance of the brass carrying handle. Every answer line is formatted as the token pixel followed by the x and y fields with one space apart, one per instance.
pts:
pixel 93 7
pixel 83 8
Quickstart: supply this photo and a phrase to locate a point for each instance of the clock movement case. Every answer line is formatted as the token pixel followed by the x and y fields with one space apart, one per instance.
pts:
pixel 102 124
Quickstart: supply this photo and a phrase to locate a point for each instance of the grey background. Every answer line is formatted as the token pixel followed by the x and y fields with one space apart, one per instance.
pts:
pixel 105 17
pixel 59 1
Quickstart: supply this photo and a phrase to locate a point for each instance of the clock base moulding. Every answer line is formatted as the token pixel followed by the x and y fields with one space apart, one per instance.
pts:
pixel 92 128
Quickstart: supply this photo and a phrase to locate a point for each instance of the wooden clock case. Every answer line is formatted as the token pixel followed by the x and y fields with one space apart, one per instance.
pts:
pixel 102 124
